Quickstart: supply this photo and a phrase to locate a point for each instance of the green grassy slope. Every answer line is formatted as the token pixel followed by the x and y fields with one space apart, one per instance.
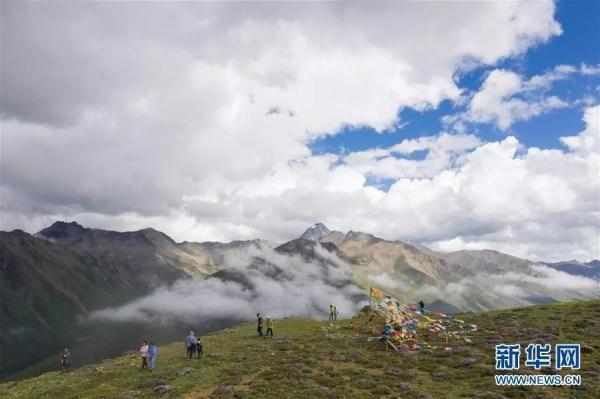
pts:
pixel 309 358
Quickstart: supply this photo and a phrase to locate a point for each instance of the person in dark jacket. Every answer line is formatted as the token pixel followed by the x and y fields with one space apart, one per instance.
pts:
pixel 422 307
pixel 65 360
pixel 190 344
pixel 199 349
pixel 259 324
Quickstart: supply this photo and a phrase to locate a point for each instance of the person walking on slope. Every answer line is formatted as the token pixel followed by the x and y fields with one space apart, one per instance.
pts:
pixel 259 324
pixel 144 355
pixel 190 344
pixel 152 353
pixel 331 312
pixel 422 307
pixel 65 360
pixel 335 313
pixel 199 348
pixel 269 325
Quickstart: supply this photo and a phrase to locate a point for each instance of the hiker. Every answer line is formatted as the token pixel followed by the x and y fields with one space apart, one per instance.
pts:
pixel 335 313
pixel 199 348
pixel 152 352
pixel 269 325
pixel 331 311
pixel 422 307
pixel 65 360
pixel 144 355
pixel 190 344
pixel 387 330
pixel 259 324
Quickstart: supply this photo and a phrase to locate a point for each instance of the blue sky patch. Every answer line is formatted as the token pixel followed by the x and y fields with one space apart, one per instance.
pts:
pixel 578 44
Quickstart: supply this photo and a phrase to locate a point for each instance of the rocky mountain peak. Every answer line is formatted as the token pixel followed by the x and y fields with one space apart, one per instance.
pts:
pixel 155 236
pixel 315 232
pixel 360 236
pixel 61 229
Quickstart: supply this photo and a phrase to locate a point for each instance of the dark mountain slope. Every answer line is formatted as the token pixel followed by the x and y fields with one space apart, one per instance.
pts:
pixel 51 280
pixel 45 286
pixel 48 281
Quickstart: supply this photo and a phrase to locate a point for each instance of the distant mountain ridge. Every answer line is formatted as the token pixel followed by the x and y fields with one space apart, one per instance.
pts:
pixel 587 269
pixel 461 280
pixel 194 259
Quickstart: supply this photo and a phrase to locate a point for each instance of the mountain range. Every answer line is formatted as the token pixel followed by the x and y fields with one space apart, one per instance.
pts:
pixel 50 280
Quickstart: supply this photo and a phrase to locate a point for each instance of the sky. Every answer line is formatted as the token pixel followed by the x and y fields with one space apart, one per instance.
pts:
pixel 456 125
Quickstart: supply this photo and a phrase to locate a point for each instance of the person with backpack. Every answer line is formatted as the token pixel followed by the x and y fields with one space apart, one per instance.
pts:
pixel 152 353
pixel 144 355
pixel 190 344
pixel 331 311
pixel 259 324
pixel 199 348
pixel 65 360
pixel 269 325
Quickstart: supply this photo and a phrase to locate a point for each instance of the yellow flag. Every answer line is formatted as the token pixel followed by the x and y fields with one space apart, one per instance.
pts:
pixel 375 293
